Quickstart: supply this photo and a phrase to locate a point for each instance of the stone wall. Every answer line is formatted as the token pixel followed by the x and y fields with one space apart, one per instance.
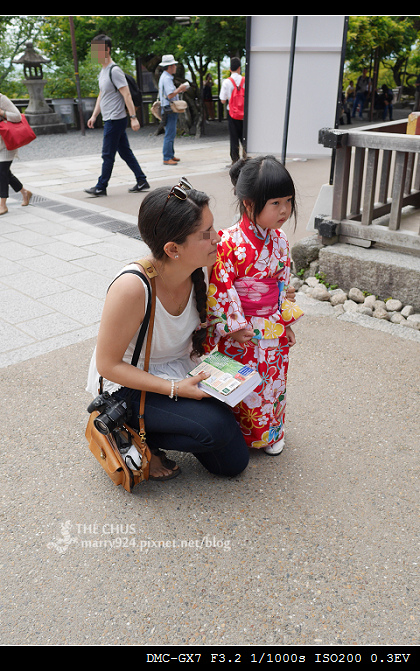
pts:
pixel 387 274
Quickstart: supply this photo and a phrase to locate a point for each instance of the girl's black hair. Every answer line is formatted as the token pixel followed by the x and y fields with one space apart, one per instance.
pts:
pixel 177 219
pixel 259 179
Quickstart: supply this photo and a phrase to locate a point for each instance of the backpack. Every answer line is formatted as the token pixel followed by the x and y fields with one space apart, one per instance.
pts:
pixel 237 99
pixel 132 85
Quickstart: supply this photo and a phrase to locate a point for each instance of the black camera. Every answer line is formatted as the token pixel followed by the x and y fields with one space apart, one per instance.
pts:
pixel 113 413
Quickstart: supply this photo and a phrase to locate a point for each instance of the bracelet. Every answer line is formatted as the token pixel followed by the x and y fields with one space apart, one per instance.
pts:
pixel 171 395
pixel 174 387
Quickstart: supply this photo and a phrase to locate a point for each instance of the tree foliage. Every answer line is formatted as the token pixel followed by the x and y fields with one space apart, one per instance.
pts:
pixel 204 39
pixel 393 40
pixel 15 31
pixel 195 43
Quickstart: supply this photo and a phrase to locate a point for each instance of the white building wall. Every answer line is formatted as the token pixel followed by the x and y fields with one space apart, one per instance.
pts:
pixel 314 87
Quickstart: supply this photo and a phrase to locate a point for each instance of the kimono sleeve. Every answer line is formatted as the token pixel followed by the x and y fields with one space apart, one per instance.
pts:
pixel 224 310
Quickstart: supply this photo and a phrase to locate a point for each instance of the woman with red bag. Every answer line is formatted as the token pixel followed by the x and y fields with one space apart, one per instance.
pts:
pixel 9 112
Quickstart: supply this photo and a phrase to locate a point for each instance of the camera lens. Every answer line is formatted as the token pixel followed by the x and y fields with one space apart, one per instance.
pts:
pixel 101 425
pixel 113 417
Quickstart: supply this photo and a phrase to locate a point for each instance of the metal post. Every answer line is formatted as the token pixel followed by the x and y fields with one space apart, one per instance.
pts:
pixel 247 59
pixel 76 72
pixel 139 77
pixel 289 88
pixel 339 92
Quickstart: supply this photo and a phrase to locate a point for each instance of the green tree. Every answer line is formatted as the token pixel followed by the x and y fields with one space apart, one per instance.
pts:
pixel 388 41
pixel 15 31
pixel 208 38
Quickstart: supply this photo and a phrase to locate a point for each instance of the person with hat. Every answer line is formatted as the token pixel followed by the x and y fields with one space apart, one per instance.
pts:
pixel 169 93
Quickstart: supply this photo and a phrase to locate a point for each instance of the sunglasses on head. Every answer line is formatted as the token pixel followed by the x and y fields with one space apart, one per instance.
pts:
pixel 180 191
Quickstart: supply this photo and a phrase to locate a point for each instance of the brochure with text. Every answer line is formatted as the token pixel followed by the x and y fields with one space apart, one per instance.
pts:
pixel 230 381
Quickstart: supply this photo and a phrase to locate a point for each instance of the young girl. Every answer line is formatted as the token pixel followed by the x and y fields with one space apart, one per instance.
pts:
pixel 250 316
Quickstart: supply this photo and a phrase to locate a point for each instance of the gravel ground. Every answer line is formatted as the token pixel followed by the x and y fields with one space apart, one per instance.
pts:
pixel 316 547
pixel 73 143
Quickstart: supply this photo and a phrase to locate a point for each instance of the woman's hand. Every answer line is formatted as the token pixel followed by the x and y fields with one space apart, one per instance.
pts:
pixel 189 388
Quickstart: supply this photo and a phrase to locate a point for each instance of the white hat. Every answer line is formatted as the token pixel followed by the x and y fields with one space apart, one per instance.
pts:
pixel 168 59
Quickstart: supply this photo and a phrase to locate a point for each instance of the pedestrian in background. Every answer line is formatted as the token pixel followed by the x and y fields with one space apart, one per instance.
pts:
pixel 168 93
pixel 362 86
pixel 208 97
pixel 10 113
pixel 232 93
pixel 113 102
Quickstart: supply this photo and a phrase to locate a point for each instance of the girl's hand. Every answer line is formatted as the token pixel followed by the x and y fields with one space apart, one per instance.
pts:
pixel 290 336
pixel 290 294
pixel 243 336
pixel 189 388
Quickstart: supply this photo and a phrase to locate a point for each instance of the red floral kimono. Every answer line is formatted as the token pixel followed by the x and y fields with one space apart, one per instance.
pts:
pixel 247 288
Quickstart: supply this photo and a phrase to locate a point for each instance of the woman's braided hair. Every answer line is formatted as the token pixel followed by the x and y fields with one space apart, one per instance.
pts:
pixel 178 220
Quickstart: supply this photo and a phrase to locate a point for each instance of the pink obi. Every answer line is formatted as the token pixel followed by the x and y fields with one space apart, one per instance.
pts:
pixel 259 297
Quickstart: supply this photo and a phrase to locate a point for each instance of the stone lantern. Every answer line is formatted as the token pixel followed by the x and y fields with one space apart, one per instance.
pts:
pixel 39 115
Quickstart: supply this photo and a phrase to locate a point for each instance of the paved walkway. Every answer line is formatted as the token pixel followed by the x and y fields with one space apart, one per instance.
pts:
pixel 58 255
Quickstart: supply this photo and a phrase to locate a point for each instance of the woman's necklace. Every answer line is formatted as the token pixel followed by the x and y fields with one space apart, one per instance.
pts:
pixel 181 305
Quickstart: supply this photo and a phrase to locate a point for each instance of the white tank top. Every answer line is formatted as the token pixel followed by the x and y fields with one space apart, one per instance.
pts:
pixel 171 344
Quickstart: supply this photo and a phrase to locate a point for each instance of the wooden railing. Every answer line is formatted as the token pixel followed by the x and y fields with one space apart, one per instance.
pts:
pixel 377 175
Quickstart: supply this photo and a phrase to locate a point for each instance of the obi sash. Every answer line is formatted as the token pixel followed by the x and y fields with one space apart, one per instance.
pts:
pixel 259 297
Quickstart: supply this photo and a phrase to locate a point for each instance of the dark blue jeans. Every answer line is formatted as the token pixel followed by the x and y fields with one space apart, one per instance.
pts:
pixel 115 140
pixel 206 428
pixel 359 99
pixel 171 120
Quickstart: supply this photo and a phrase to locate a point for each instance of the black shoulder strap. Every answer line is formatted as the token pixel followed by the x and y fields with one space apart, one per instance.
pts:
pixel 110 74
pixel 145 324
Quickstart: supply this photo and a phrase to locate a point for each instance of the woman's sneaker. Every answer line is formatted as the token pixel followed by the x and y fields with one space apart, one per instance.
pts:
pixel 276 448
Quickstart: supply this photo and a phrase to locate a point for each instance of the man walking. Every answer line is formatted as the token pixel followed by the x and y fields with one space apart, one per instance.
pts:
pixel 233 87
pixel 113 100
pixel 169 93
pixel 362 86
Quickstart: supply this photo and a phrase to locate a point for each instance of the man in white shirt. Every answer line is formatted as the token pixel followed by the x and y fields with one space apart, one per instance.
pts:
pixel 235 125
pixel 113 101
pixel 168 93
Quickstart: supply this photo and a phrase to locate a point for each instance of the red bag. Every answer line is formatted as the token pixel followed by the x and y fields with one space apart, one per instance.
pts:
pixel 237 100
pixel 16 135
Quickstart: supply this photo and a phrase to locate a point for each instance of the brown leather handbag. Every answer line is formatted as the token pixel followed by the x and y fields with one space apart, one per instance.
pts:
pixel 105 446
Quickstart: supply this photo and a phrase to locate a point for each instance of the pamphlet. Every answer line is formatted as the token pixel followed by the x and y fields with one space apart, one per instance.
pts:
pixel 230 381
